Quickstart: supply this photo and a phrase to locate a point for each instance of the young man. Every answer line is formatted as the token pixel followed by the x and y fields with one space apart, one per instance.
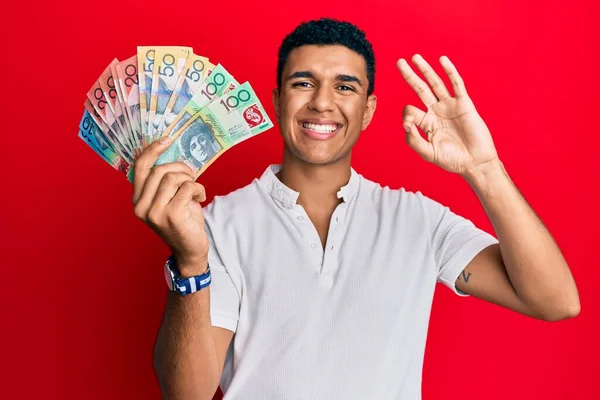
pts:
pixel 325 277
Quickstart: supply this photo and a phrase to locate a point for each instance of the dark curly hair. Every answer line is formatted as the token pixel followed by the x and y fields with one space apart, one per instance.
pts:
pixel 327 31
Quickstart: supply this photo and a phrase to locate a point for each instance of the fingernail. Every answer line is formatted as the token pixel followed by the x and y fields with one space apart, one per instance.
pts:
pixel 165 140
pixel 406 128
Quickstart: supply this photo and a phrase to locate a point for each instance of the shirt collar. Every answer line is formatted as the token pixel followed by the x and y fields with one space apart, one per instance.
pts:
pixel 289 197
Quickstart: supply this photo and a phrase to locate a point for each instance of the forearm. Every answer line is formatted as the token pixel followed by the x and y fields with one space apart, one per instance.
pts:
pixel 185 357
pixel 533 260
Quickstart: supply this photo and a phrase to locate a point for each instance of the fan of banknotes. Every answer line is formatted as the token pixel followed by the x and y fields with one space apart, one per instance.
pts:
pixel 169 91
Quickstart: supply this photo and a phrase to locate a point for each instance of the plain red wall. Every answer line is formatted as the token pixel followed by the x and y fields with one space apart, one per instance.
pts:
pixel 83 291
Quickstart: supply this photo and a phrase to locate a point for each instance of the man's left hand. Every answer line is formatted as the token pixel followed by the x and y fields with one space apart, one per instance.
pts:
pixel 458 138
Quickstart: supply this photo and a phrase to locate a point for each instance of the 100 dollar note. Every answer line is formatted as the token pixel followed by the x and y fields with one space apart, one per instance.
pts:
pixel 229 120
pixel 215 85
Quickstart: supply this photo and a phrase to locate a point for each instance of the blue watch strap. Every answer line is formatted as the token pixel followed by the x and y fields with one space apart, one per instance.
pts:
pixel 193 283
pixel 189 285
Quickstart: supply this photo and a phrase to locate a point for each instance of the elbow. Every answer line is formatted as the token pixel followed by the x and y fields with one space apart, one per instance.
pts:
pixel 568 310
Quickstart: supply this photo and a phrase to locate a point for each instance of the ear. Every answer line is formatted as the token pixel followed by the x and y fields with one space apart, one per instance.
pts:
pixel 276 103
pixel 369 111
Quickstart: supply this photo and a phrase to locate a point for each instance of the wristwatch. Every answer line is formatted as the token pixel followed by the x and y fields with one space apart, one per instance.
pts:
pixel 181 285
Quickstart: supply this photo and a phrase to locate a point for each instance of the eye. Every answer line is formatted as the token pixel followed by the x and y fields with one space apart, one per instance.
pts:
pixel 301 84
pixel 345 88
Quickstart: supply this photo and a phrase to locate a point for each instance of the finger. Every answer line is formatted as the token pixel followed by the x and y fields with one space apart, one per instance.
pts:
pixel 168 187
pixel 144 163
pixel 418 85
pixel 436 83
pixel 412 114
pixel 417 142
pixel 188 191
pixel 458 85
pixel 153 181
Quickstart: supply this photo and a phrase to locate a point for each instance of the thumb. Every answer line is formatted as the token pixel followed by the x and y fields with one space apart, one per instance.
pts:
pixel 413 114
pixel 156 148
pixel 144 163
pixel 414 139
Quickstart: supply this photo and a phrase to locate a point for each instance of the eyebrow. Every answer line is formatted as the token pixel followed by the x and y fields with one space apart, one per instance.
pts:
pixel 349 78
pixel 340 77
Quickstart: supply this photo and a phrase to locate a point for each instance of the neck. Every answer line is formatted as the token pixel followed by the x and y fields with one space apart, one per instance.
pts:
pixel 318 185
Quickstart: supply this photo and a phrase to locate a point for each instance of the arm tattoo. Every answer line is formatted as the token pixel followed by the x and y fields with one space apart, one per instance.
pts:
pixel 465 275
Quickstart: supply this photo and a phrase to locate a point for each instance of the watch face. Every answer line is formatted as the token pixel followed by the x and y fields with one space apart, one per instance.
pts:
pixel 168 277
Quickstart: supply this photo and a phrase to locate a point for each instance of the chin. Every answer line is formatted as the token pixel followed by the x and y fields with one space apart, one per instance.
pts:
pixel 315 152
pixel 317 157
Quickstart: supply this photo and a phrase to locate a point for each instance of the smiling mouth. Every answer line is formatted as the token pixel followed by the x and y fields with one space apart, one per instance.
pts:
pixel 321 129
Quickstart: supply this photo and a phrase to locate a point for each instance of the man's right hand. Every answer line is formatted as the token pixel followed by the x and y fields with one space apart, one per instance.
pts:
pixel 167 198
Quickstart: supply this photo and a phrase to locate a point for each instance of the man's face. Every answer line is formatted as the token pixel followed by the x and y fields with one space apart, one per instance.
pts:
pixel 322 105
pixel 199 148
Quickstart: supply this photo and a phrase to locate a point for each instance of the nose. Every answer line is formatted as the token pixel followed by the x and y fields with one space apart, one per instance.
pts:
pixel 322 100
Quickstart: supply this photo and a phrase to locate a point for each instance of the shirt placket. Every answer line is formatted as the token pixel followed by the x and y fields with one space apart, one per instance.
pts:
pixel 329 264
pixel 310 235
pixel 324 260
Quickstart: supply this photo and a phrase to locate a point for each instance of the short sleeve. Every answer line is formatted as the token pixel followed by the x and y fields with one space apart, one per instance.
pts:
pixel 224 295
pixel 455 241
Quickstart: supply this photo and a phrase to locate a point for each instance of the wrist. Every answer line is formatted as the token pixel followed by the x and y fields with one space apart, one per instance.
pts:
pixel 191 267
pixel 487 176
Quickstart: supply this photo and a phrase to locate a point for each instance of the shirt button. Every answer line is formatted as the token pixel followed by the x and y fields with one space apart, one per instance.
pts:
pixel 313 246
pixel 300 218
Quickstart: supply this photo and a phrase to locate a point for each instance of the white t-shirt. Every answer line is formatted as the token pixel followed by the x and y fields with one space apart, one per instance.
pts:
pixel 345 322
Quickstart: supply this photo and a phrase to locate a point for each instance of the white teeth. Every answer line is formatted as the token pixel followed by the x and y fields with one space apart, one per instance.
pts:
pixel 321 128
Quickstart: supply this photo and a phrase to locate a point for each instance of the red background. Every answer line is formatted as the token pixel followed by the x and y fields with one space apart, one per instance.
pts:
pixel 83 290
